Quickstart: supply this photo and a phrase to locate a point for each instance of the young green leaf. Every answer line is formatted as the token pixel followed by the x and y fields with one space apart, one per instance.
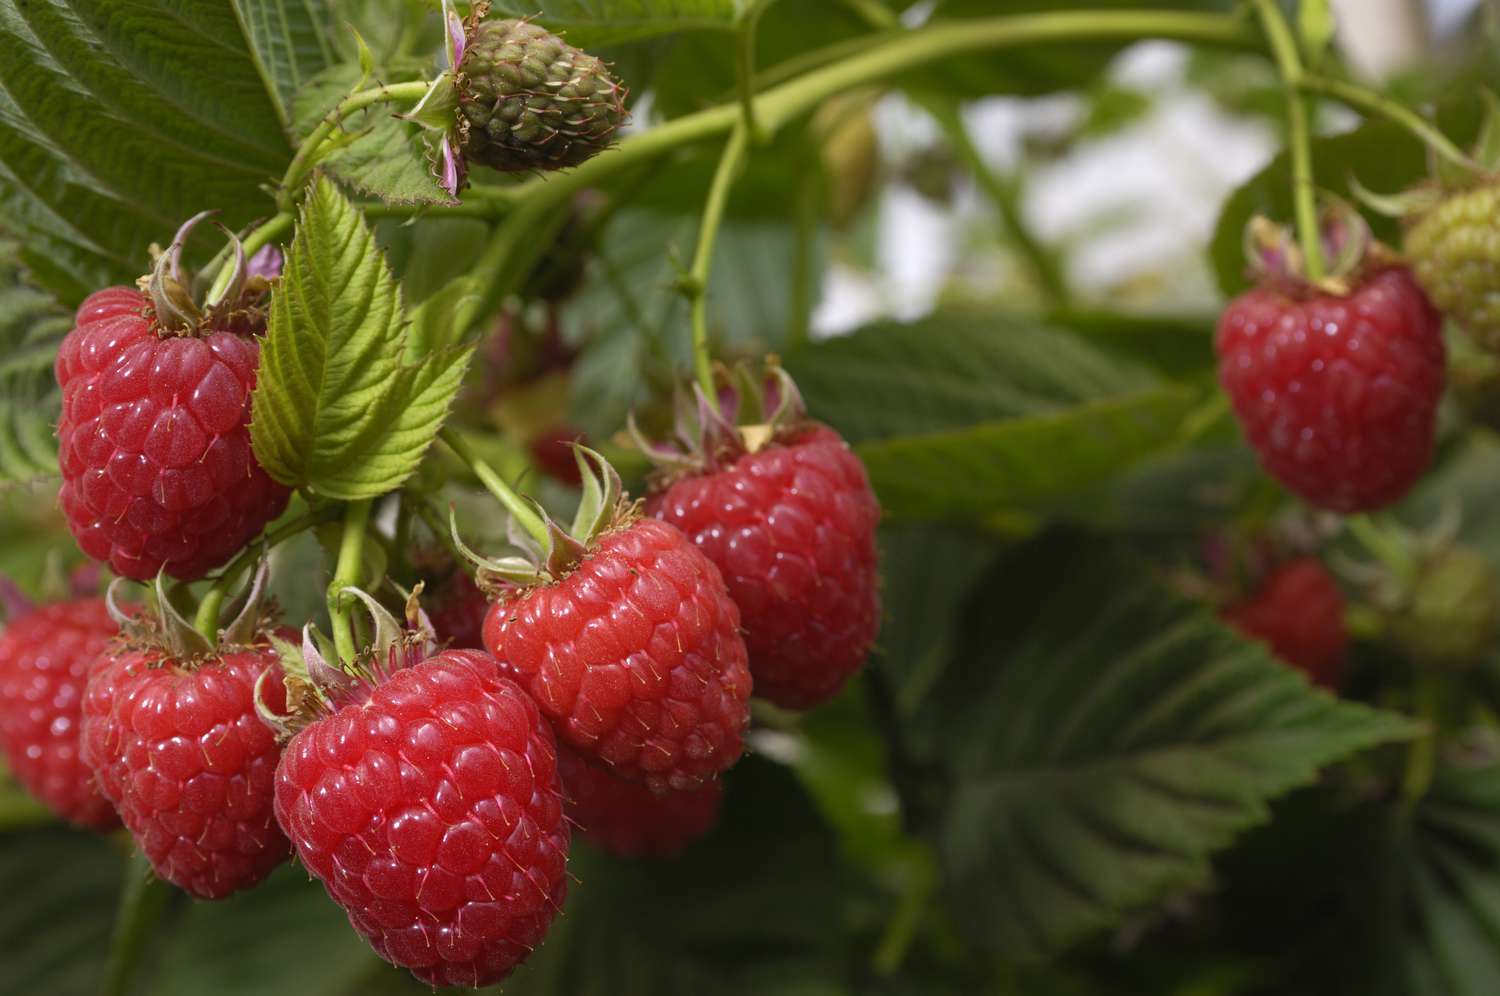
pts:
pixel 345 405
pixel 1105 737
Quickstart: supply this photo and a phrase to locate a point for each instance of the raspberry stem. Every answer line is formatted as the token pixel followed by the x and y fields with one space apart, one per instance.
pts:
pixel 1299 137
pixel 142 901
pixel 347 575
pixel 517 506
pixel 206 621
pixel 306 154
pixel 787 102
pixel 1371 102
pixel 696 287
pixel 745 74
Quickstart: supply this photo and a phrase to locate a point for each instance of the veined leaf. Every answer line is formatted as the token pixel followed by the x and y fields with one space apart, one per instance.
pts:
pixel 999 466
pixel 1105 737
pixel 342 406
pixel 291 44
pixel 118 120
pixel 31 325
pixel 950 371
pixel 379 154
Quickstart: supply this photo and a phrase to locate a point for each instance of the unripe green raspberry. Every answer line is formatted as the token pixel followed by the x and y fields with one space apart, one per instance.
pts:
pixel 528 100
pixel 1453 616
pixel 1455 253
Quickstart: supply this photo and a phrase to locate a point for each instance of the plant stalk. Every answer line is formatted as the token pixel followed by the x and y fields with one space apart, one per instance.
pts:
pixel 514 503
pixel 206 621
pixel 142 900
pixel 347 573
pixel 306 155
pixel 1299 136
pixel 730 164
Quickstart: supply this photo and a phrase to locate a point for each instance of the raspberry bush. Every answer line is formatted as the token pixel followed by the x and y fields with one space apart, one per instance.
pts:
pixel 556 532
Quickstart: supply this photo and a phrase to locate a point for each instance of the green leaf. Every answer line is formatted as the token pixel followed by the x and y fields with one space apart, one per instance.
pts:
pixel 1448 867
pixel 31 325
pixel 1105 736
pixel 291 44
pixel 1024 462
pixel 55 931
pixel 606 22
pixel 285 935
pixel 344 405
pixel 949 371
pixel 118 120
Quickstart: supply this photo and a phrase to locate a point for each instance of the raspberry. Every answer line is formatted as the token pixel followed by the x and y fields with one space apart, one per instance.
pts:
pixel 154 441
pixel 178 748
pixel 628 819
pixel 456 611
pixel 552 451
pixel 1299 611
pixel 46 657
pixel 635 656
pixel 528 100
pixel 792 528
pixel 1337 394
pixel 432 813
pixel 1455 254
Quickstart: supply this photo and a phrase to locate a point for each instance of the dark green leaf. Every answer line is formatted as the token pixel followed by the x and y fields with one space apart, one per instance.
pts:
pixel 605 22
pixel 949 371
pixel 31 325
pixel 1106 737
pixel 290 39
pixel 118 120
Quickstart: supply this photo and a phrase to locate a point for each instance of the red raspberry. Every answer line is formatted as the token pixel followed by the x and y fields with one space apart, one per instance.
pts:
pixel 628 819
pixel 456 611
pixel 46 657
pixel 792 528
pixel 552 451
pixel 1338 394
pixel 1299 611
pixel 178 748
pixel 635 656
pixel 432 813
pixel 154 441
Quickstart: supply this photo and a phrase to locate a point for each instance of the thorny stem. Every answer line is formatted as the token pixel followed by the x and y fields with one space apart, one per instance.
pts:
pixel 525 515
pixel 307 152
pixel 1003 195
pixel 1299 136
pixel 207 619
pixel 703 254
pixel 780 105
pixel 347 573
pixel 744 49
pixel 1372 102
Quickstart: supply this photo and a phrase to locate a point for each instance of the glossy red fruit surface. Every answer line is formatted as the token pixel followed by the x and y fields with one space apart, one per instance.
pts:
pixel 635 656
pixel 432 813
pixel 154 441
pixel 46 657
pixel 628 819
pixel 792 529
pixel 1299 611
pixel 1337 394
pixel 188 764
